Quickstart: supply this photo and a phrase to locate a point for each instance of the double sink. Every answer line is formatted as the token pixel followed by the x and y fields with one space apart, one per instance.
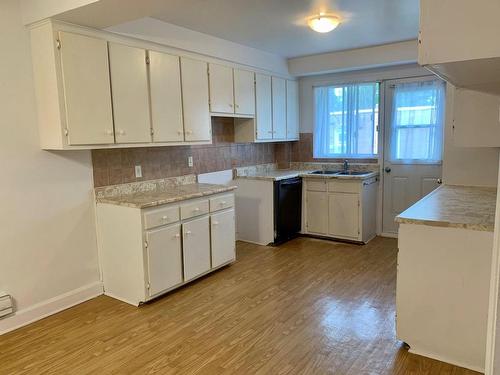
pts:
pixel 340 173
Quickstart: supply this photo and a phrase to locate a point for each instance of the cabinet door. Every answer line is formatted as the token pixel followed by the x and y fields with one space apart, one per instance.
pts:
pixel 263 101
pixel 292 110
pixel 166 97
pixel 194 78
pixel 87 91
pixel 343 212
pixel 279 108
pixel 129 84
pixel 164 258
pixel 223 238
pixel 221 88
pixel 317 212
pixel 196 247
pixel 244 92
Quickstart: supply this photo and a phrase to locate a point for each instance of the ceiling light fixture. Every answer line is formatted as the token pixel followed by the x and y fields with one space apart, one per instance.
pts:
pixel 323 23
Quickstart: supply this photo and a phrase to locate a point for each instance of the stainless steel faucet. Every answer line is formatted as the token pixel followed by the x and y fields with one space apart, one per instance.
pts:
pixel 346 165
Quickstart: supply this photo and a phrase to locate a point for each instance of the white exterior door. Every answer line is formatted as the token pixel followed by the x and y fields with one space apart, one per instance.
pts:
pixel 130 92
pixel 166 97
pixel 343 213
pixel 413 144
pixel 197 122
pixel 164 257
pixel 85 70
pixel 221 88
pixel 196 247
pixel 264 111
pixel 244 92
pixel 279 107
pixel 292 110
pixel 223 238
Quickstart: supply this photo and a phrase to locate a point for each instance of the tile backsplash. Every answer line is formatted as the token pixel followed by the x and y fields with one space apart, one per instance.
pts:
pixel 116 166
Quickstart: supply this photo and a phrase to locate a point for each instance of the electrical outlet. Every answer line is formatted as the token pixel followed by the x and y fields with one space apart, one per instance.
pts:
pixel 190 161
pixel 138 171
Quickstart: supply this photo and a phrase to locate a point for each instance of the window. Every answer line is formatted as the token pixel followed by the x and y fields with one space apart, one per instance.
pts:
pixel 346 120
pixel 417 122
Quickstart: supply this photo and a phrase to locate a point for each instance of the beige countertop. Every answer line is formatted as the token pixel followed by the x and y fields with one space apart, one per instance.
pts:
pixel 467 207
pixel 281 174
pixel 169 194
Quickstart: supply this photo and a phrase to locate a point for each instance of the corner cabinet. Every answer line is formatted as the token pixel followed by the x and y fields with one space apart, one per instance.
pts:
pixel 340 208
pixel 148 252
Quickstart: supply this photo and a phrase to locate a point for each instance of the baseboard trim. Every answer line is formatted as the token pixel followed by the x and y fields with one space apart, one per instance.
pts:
pixel 389 235
pixel 51 306
pixel 445 359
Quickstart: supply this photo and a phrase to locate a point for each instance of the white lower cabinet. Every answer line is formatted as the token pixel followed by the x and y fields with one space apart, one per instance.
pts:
pixel 343 214
pixel 223 238
pixel 164 258
pixel 340 208
pixel 147 252
pixel 196 247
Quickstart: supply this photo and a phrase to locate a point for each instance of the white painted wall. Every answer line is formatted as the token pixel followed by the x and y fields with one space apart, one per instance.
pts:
pixel 355 59
pixel 48 251
pixel 179 37
pixel 465 165
pixel 36 10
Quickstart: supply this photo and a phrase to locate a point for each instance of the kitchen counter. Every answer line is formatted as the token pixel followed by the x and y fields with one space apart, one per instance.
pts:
pixel 168 194
pixel 466 207
pixel 281 174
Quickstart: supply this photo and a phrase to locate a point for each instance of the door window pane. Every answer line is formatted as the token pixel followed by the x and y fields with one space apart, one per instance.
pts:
pixel 417 122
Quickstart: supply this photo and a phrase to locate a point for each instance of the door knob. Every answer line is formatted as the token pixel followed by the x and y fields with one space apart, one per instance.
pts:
pixel 439 181
pixel 387 170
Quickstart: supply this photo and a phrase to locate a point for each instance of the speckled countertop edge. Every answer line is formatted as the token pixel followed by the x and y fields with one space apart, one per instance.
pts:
pixel 463 207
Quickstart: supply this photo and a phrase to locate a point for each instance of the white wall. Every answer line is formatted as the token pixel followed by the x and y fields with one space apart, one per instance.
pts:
pixel 48 251
pixel 355 59
pixel 179 37
pixel 464 165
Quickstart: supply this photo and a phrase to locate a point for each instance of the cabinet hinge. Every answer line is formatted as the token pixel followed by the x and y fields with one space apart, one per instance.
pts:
pixel 66 132
pixel 152 131
pixel 146 244
pixel 148 60
pixel 58 44
pixel 148 286
pixel 359 204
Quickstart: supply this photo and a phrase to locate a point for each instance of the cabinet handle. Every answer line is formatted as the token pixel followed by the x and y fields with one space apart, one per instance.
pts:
pixel 164 218
pixel 196 209
pixel 179 132
pixel 215 223
pixel 231 105
pixel 109 132
pixel 121 132
pixel 188 232
pixel 237 106
pixel 270 132
pixel 177 235
pixel 222 203
pixel 189 132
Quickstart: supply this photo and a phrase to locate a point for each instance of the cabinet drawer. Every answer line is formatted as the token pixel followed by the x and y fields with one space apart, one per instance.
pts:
pixel 220 203
pixel 160 216
pixel 194 209
pixel 344 186
pixel 316 185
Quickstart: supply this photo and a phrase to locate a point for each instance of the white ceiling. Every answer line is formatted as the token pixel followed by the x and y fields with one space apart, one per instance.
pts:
pixel 277 26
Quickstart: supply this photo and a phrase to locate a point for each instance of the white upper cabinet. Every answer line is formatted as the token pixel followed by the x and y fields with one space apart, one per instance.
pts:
pixel 130 93
pixel 244 92
pixel 166 97
pixel 85 72
pixel 292 110
pixel 279 107
pixel 264 112
pixel 221 88
pixel 457 41
pixel 197 122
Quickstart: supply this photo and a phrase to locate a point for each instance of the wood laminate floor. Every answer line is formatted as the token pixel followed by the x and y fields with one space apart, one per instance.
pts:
pixel 307 307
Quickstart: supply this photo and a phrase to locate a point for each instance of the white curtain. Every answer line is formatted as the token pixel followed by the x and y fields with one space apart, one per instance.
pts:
pixel 417 122
pixel 321 123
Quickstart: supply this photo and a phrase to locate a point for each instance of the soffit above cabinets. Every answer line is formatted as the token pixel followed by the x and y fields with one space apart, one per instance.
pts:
pixel 277 27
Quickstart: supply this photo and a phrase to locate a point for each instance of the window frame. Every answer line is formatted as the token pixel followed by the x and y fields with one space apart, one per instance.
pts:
pixel 378 136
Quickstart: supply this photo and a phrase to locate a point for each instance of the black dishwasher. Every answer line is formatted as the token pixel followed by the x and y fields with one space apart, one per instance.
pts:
pixel 287 209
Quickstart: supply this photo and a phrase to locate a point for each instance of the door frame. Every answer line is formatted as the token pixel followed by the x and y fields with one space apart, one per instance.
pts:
pixel 384 121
